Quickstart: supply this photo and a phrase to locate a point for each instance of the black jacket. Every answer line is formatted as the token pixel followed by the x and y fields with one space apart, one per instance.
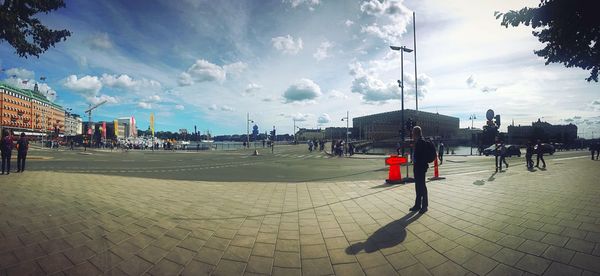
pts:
pixel 419 153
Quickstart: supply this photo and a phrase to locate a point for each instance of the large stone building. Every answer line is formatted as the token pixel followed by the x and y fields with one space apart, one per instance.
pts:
pixel 387 125
pixel 544 131
pixel 73 125
pixel 24 110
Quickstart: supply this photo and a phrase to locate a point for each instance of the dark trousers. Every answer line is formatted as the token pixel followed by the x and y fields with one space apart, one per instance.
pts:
pixel 421 200
pixel 6 161
pixel 540 157
pixel 441 155
pixel 21 156
pixel 529 160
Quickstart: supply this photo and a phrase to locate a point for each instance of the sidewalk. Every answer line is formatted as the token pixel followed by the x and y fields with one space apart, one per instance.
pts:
pixel 515 222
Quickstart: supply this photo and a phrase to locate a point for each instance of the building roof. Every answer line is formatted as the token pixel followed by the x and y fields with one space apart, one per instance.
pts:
pixel 36 95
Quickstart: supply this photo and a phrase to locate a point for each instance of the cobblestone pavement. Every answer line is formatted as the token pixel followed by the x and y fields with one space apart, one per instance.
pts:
pixel 515 222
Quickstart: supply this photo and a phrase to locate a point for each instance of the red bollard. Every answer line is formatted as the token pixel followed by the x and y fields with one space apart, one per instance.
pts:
pixel 395 176
pixel 436 172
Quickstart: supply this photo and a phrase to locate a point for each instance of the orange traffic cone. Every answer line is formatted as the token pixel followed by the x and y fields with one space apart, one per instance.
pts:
pixel 436 172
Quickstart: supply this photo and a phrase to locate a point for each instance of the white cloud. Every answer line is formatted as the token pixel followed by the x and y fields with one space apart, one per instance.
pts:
pixel 101 98
pixel 43 88
pixel 86 85
pixel 321 52
pixel 334 94
pixel 298 117
pixel 252 88
pixel 145 105
pixel 324 119
pixel 205 71
pixel 487 89
pixel 20 73
pixel 100 41
pixel 227 108
pixel 213 107
pixel 235 68
pixel 302 90
pixel 471 82
pixel 287 44
pixel 309 3
pixel 179 107
pixel 390 19
pixel 348 23
pixel 122 81
pixel 154 98
pixel 185 79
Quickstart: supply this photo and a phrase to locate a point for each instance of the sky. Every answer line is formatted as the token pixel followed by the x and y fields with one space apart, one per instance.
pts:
pixel 210 63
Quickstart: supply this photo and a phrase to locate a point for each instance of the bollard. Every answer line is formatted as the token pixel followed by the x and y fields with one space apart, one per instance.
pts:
pixel 395 176
pixel 436 172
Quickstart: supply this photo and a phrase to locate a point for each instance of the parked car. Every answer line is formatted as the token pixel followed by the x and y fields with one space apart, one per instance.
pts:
pixel 546 148
pixel 511 150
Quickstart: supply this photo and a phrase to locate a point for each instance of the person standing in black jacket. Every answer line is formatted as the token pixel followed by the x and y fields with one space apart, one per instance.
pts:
pixel 6 146
pixel 22 147
pixel 420 167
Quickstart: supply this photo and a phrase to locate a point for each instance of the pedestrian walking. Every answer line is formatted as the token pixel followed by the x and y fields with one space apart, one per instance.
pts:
pixel 503 155
pixel 441 153
pixel 22 148
pixel 540 154
pixel 420 166
pixel 595 148
pixel 529 155
pixel 6 147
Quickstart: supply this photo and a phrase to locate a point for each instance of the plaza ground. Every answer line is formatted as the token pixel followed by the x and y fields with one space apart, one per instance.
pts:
pixel 294 213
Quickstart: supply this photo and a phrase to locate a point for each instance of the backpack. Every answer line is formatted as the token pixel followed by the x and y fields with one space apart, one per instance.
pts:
pixel 430 154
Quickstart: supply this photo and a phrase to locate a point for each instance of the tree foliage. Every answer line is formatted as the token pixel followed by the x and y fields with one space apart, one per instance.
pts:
pixel 23 31
pixel 570 30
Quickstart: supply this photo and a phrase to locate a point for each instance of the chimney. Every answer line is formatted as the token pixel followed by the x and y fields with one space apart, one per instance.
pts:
pixel 35 88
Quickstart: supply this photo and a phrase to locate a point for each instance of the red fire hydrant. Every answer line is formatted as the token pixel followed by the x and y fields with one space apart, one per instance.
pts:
pixel 394 161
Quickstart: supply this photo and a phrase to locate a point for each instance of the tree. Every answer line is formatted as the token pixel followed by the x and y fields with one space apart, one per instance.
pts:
pixel 570 30
pixel 26 33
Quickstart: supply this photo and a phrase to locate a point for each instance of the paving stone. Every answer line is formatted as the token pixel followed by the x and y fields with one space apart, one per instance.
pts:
pixel 236 253
pixel 288 245
pixel 80 254
pixel 313 251
pixel 26 268
pixel 511 241
pixel 555 239
pixel 416 269
pixel 85 268
pixel 209 255
pixel 431 259
pixel 29 252
pixel 7 259
pixel 243 241
pixel 261 265
pixel 443 245
pixel 381 270
pixel 286 271
pixel 480 264
pixel 339 256
pixel 460 254
pixel 287 259
pixel 533 247
pixel 586 261
pixel 533 264
pixel 503 270
pixel 448 268
pixel 180 255
pixel 580 245
pixel 508 256
pixel 53 246
pixel 559 269
pixel 534 235
pixel 191 243
pixel 54 263
pixel 320 266
pixel 368 260
pixel 217 243
pixel 350 269
pixel 559 254
pixel 105 261
pixel 487 248
pixel 197 268
pixel 228 267
pixel 166 267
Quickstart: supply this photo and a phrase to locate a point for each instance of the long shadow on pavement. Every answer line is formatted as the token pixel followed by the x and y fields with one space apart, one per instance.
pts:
pixel 387 236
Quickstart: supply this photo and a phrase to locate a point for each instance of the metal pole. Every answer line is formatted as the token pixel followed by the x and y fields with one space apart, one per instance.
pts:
pixel 415 49
pixel 248 129
pixel 347 124
pixel 402 95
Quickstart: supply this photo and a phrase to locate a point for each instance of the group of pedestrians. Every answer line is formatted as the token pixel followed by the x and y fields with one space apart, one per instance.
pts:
pixel 532 149
pixel 7 144
pixel 316 144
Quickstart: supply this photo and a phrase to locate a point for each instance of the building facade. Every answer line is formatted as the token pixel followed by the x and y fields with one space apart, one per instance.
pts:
pixel 566 134
pixel 24 110
pixel 73 125
pixel 388 125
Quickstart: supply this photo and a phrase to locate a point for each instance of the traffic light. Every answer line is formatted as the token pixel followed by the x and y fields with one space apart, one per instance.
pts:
pixel 273 135
pixel 497 120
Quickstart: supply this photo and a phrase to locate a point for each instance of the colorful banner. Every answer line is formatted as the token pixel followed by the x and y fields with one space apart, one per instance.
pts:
pixel 152 123
pixel 116 123
pixel 104 130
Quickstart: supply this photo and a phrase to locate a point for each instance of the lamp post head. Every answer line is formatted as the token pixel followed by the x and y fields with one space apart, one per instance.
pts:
pixel 401 48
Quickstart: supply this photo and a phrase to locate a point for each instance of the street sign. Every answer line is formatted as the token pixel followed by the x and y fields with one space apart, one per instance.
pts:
pixel 489 114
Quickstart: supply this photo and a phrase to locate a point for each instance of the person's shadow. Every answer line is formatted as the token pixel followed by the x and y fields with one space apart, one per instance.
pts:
pixel 492 178
pixel 387 236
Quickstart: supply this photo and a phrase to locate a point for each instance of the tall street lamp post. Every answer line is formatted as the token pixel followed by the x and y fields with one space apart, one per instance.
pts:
pixel 472 117
pixel 248 121
pixel 347 118
pixel 402 49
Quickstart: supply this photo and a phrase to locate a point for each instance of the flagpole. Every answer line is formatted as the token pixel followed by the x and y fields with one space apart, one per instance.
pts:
pixel 415 51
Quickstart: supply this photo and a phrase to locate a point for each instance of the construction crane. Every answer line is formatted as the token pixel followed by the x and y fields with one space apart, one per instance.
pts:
pixel 89 113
